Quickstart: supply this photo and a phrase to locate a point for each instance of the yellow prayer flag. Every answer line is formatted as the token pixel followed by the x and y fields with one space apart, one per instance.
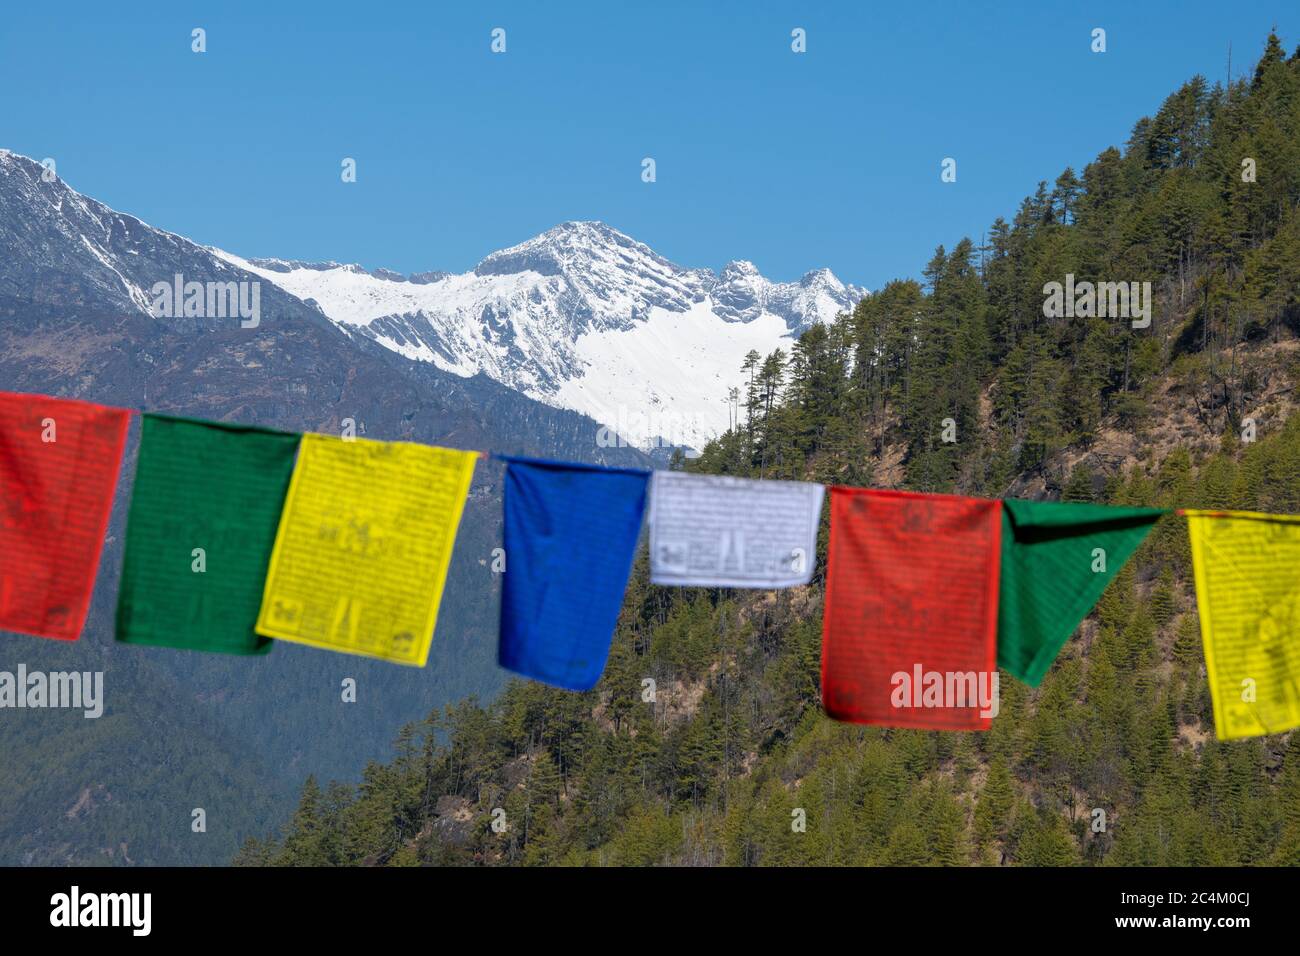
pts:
pixel 1248 592
pixel 361 555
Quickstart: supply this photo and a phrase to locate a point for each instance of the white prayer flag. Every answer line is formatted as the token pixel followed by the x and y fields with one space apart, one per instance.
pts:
pixel 717 531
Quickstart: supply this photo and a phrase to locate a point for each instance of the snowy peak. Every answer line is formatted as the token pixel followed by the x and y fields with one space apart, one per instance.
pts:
pixel 614 277
pixel 564 248
pixel 738 268
pixel 582 316
pixel 610 277
pixel 741 294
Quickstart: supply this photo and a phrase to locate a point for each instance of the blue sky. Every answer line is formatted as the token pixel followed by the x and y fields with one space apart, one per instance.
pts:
pixel 795 161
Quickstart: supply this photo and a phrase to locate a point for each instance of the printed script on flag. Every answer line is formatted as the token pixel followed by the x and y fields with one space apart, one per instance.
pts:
pixel 718 531
pixel 59 460
pixel 205 506
pixel 911 607
pixel 363 547
pixel 1247 568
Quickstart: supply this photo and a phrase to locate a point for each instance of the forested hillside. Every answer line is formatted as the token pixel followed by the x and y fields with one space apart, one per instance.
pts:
pixel 733 752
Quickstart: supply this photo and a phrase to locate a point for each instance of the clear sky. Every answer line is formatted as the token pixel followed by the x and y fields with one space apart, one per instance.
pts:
pixel 794 161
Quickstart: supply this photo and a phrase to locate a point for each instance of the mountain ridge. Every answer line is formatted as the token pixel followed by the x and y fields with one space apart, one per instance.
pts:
pixel 581 317
pixel 570 316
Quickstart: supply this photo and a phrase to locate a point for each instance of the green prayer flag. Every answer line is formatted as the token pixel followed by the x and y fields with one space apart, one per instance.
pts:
pixel 1057 559
pixel 204 513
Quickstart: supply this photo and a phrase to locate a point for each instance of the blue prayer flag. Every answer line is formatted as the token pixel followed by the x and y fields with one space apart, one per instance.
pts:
pixel 570 540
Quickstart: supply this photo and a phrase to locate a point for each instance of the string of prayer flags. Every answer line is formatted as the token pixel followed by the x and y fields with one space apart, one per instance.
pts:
pixel 719 531
pixel 59 460
pixel 1247 569
pixel 238 536
pixel 910 617
pixel 361 555
pixel 204 511
pixel 1057 559
pixel 570 540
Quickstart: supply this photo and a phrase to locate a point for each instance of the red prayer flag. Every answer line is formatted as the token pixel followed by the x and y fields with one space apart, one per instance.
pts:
pixel 59 460
pixel 909 634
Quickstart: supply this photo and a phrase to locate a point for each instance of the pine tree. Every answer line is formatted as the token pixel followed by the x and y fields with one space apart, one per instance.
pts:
pixel 1049 843
pixel 992 812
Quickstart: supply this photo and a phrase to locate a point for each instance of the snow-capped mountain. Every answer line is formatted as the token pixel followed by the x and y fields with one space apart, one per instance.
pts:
pixel 583 317
pixel 77 297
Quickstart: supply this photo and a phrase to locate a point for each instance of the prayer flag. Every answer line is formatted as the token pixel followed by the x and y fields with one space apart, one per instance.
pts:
pixel 204 510
pixel 718 531
pixel 1247 568
pixel 1057 559
pixel 570 539
pixel 910 619
pixel 361 555
pixel 59 460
